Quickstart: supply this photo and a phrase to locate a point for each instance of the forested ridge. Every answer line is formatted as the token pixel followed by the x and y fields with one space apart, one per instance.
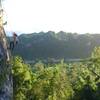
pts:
pixel 56 45
pixel 63 81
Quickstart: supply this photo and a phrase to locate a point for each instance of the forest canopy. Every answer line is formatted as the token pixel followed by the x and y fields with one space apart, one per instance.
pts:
pixel 63 81
pixel 56 45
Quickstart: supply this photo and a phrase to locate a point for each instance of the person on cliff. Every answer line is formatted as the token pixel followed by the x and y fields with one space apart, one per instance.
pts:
pixel 13 41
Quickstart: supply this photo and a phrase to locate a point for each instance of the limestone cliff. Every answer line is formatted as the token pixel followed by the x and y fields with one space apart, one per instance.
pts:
pixel 6 86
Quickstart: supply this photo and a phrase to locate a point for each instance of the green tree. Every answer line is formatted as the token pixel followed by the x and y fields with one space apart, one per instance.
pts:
pixel 21 79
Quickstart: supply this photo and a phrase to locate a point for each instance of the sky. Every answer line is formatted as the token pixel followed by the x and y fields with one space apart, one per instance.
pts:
pixel 27 16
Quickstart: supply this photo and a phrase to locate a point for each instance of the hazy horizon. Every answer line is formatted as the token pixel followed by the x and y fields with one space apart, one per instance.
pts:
pixel 10 33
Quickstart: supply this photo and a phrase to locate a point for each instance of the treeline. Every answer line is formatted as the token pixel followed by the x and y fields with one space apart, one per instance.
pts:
pixel 74 81
pixel 56 45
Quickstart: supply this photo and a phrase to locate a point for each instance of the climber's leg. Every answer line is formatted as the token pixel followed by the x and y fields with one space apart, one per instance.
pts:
pixel 11 45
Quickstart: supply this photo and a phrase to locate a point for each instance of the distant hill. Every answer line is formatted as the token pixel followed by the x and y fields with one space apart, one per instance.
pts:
pixel 56 45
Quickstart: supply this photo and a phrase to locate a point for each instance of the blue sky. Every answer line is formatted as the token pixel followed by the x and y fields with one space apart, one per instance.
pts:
pixel 81 16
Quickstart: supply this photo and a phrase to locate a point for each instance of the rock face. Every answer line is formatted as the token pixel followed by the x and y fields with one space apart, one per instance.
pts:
pixel 6 84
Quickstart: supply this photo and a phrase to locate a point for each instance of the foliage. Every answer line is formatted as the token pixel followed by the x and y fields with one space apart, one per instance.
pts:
pixel 22 78
pixel 56 45
pixel 72 81
pixel 49 83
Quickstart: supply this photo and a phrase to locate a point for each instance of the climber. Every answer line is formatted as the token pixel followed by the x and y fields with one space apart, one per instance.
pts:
pixel 13 41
